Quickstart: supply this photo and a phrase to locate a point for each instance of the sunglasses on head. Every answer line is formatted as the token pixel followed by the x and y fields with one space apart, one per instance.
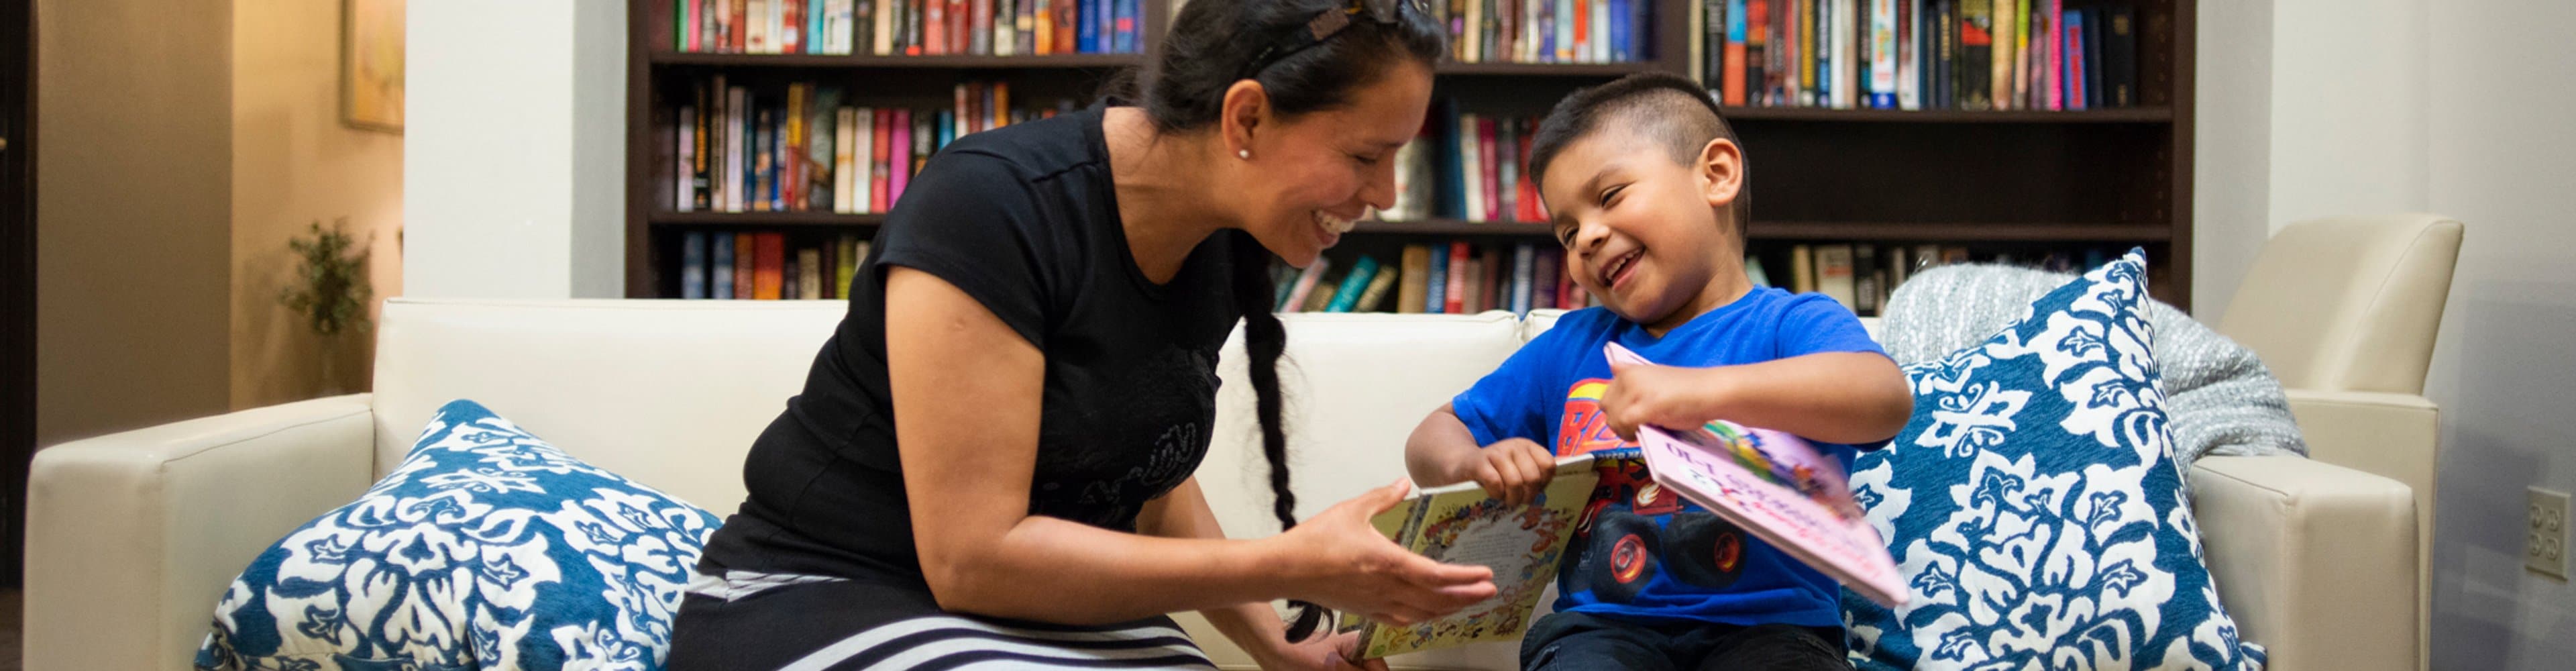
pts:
pixel 1326 24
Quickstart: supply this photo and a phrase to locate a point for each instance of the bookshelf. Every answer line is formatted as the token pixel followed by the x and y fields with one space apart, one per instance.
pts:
pixel 2020 182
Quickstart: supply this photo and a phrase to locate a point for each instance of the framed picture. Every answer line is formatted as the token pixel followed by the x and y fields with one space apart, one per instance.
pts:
pixel 371 64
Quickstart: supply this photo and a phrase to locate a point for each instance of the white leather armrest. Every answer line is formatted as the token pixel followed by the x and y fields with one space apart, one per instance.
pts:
pixel 2391 435
pixel 132 537
pixel 2315 561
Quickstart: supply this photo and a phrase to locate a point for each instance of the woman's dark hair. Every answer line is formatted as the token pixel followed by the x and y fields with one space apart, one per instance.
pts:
pixel 1212 45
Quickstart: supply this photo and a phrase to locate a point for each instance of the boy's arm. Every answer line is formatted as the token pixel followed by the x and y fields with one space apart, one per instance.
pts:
pixel 1835 397
pixel 1442 451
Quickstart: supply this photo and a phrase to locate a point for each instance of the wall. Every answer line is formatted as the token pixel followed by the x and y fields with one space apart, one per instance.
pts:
pixel 515 173
pixel 293 164
pixel 2450 106
pixel 2502 158
pixel 2231 148
pixel 132 241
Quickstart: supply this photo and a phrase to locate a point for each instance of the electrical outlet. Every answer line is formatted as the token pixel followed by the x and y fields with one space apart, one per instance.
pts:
pixel 2544 548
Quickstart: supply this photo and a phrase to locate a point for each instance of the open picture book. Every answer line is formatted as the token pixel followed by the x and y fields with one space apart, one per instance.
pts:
pixel 1778 487
pixel 1459 524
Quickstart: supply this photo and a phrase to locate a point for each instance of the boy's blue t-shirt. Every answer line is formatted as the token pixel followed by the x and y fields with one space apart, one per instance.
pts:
pixel 1645 553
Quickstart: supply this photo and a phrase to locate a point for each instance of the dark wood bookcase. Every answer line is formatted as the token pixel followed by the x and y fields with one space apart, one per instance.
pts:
pixel 1993 181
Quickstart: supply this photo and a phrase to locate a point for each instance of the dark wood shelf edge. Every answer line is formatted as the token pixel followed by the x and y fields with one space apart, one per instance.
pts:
pixel 2123 115
pixel 1545 69
pixel 896 62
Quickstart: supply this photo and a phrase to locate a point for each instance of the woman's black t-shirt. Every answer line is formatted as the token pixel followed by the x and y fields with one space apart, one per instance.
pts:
pixel 1024 219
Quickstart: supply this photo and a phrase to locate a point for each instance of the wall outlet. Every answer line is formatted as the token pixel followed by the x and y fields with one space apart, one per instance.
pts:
pixel 2544 547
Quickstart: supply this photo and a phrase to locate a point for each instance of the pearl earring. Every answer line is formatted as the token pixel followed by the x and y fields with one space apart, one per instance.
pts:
pixel 1245 154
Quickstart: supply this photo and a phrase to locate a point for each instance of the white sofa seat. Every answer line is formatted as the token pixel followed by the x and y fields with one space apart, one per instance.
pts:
pixel 133 536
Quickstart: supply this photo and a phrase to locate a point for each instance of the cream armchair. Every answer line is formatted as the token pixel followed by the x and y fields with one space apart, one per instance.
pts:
pixel 2345 311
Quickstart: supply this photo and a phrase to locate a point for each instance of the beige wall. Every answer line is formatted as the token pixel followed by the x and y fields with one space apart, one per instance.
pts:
pixel 134 215
pixel 293 164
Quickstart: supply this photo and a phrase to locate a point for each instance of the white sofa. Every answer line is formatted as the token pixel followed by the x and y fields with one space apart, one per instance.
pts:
pixel 133 536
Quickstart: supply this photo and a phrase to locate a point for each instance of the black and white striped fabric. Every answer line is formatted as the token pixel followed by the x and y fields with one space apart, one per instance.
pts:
pixel 743 620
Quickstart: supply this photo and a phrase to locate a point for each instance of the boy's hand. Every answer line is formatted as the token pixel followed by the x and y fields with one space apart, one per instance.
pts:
pixel 1514 470
pixel 1648 394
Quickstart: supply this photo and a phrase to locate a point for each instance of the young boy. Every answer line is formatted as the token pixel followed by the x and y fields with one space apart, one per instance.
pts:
pixel 1646 188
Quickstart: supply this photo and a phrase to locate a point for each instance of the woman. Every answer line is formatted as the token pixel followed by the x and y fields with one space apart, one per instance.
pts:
pixel 990 460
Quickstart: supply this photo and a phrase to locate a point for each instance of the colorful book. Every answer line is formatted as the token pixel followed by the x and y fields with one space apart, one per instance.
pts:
pixel 1455 296
pixel 1409 297
pixel 1353 284
pixel 1780 488
pixel 746 266
pixel 1460 524
pixel 769 268
pixel 1380 285
pixel 1435 295
pixel 809 273
pixel 1305 289
pixel 899 167
pixel 822 135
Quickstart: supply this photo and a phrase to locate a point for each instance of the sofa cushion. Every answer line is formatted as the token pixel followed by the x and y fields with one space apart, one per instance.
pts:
pixel 2034 507
pixel 486 549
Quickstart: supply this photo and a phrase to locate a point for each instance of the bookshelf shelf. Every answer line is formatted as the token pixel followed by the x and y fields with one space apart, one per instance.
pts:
pixel 1593 70
pixel 2134 115
pixel 1054 61
pixel 763 219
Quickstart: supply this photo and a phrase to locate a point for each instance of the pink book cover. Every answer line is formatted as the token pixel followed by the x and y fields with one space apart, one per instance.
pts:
pixel 1780 488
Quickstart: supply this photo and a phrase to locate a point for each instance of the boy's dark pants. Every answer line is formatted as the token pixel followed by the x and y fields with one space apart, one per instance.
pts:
pixel 1582 641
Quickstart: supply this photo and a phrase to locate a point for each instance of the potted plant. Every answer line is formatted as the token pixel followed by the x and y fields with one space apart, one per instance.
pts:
pixel 329 290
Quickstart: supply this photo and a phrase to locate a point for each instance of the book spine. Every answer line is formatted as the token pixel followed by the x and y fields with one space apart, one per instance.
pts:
pixel 693 266
pixel 1524 272
pixel 1306 282
pixel 899 167
pixel 1489 169
pixel 822 134
pixel 848 194
pixel 979 27
pixel 1127 33
pixel 1460 255
pixel 2119 65
pixel 1545 282
pixel 1417 264
pixel 683 169
pixel 791 23
pixel 1435 296
pixel 1731 69
pixel 1882 54
pixel 720 267
pixel 1353 284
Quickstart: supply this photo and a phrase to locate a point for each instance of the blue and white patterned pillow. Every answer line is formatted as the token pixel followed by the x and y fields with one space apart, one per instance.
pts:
pixel 486 549
pixel 2034 507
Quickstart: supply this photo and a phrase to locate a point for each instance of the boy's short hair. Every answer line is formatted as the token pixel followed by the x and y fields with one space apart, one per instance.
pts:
pixel 1665 108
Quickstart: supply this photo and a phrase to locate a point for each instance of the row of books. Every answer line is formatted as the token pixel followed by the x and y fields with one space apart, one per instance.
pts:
pixel 768 266
pixel 1455 277
pixel 908 27
pixel 1466 166
pixel 1920 54
pixel 1548 31
pixel 1861 276
pixel 802 150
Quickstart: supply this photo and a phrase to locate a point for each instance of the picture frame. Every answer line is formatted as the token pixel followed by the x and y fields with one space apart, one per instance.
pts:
pixel 371 64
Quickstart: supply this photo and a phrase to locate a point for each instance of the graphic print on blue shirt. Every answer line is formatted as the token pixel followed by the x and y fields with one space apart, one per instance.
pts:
pixel 1643 552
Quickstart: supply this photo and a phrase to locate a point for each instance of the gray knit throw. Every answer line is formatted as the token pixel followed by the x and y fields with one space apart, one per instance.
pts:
pixel 2221 398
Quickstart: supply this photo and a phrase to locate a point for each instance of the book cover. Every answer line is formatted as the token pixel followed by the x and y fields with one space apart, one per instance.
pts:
pixel 792 147
pixel 2000 25
pixel 1882 54
pixel 1471 172
pixel 1126 25
pixel 1379 286
pixel 1410 296
pixel 1780 488
pixel 1021 42
pixel 1460 524
pixel 849 190
pixel 791 26
pixel 934 27
pixel 881 137
pixel 1353 284
pixel 881 24
pixel 1909 60
pixel 693 266
pixel 720 267
pixel 769 265
pixel 1435 293
pixel 1731 64
pixel 1489 171
pixel 756 28
pixel 1042 17
pixel 1087 25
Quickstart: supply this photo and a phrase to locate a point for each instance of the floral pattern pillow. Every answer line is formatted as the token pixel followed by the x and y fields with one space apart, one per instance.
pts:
pixel 486 549
pixel 2034 507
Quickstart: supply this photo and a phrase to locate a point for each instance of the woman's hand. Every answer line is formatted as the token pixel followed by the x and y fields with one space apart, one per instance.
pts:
pixel 1319 653
pixel 1514 470
pixel 1339 561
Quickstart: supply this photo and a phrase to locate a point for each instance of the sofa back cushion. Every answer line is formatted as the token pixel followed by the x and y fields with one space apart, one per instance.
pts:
pixel 669 393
